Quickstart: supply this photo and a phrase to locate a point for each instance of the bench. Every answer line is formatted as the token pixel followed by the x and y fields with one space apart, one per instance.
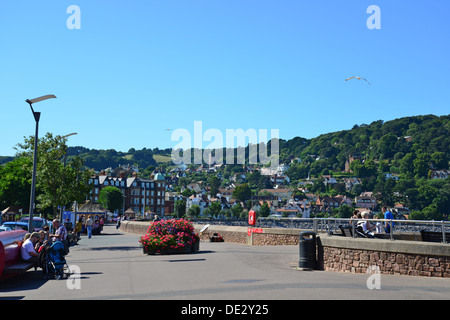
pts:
pixel 434 236
pixel 347 231
pixel 11 262
pixel 19 267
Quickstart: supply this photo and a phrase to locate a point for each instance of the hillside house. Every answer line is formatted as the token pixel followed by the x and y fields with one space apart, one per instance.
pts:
pixel 366 200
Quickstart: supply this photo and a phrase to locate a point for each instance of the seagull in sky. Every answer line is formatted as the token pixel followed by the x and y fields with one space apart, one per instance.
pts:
pixel 359 78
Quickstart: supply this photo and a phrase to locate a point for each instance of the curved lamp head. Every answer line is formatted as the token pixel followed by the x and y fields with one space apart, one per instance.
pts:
pixel 49 96
pixel 68 135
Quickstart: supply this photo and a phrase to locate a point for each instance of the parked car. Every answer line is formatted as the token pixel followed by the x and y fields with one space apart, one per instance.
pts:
pixel 13 225
pixel 2 228
pixel 38 223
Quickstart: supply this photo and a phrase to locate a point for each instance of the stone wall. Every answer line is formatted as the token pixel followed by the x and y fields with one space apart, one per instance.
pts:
pixel 258 237
pixel 391 257
pixel 336 253
pixel 358 261
pixel 137 227
pixel 229 234
pixel 269 236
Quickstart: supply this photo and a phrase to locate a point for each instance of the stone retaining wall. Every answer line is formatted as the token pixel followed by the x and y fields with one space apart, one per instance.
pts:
pixel 269 236
pixel 229 234
pixel 335 253
pixel 391 257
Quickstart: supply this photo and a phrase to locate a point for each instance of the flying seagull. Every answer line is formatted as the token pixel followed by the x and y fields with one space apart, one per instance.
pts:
pixel 168 129
pixel 359 78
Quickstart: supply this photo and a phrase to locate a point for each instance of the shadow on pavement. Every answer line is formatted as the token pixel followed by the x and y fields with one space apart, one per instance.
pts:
pixel 30 280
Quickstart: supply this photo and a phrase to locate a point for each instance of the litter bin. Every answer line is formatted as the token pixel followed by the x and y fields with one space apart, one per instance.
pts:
pixel 307 248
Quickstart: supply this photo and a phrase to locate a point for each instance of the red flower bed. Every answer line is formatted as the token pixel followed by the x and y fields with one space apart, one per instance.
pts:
pixel 170 236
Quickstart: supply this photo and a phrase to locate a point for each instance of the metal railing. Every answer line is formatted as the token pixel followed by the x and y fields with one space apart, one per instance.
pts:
pixel 328 225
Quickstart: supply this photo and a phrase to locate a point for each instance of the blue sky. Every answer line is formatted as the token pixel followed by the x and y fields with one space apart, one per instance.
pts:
pixel 139 67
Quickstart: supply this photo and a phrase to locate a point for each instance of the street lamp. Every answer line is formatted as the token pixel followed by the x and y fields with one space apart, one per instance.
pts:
pixel 62 184
pixel 37 116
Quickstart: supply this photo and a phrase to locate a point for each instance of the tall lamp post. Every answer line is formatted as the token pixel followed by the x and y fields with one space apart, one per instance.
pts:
pixel 37 116
pixel 62 184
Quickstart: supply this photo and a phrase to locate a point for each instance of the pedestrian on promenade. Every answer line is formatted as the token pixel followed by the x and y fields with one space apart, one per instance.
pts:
pixel 61 231
pixel 89 223
pixel 389 216
pixel 79 227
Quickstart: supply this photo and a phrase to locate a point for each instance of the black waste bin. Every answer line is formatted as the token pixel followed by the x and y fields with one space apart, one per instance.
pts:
pixel 307 248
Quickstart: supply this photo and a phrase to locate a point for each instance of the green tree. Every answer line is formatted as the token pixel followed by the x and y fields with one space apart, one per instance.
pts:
pixel 236 210
pixel 386 145
pixel 187 193
pixel 111 198
pixel 426 194
pixel 318 186
pixel 15 177
pixel 417 215
pixel 358 168
pixel 344 211
pixel 76 181
pixel 242 192
pixel 439 160
pixel 214 209
pixel 253 178
pixel 194 211
pixel 264 211
pixel 297 171
pixel 421 164
pixel 180 208
pixel 432 212
pixel 407 165
pixel 385 189
pixel 370 169
pixel 214 184
pixel 56 177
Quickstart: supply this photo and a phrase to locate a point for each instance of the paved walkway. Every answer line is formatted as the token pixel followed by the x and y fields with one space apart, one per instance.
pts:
pixel 112 266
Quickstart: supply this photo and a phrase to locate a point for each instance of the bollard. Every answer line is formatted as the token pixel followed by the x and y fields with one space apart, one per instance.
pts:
pixel 307 250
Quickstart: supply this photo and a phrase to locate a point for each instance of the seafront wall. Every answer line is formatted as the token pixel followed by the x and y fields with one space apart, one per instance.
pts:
pixel 404 256
pixel 356 255
pixel 258 237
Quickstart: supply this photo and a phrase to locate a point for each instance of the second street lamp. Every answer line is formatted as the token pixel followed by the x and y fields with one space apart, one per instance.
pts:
pixel 63 176
pixel 37 116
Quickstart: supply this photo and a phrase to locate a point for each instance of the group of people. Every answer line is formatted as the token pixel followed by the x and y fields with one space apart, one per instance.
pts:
pixel 90 223
pixel 370 228
pixel 35 241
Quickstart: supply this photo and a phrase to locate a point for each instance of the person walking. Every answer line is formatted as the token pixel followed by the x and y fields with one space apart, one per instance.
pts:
pixel 89 224
pixel 78 228
pixel 388 216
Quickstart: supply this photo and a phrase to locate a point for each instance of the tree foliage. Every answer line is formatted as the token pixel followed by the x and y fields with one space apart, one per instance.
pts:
pixel 15 183
pixel 111 198
pixel 58 182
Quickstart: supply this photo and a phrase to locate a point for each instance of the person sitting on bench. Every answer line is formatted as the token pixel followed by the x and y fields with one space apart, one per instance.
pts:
pixel 27 251
pixel 367 227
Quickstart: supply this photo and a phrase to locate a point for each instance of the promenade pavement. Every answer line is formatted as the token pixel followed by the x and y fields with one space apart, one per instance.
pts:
pixel 112 266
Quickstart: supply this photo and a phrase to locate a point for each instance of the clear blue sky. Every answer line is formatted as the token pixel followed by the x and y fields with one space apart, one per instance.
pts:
pixel 136 68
